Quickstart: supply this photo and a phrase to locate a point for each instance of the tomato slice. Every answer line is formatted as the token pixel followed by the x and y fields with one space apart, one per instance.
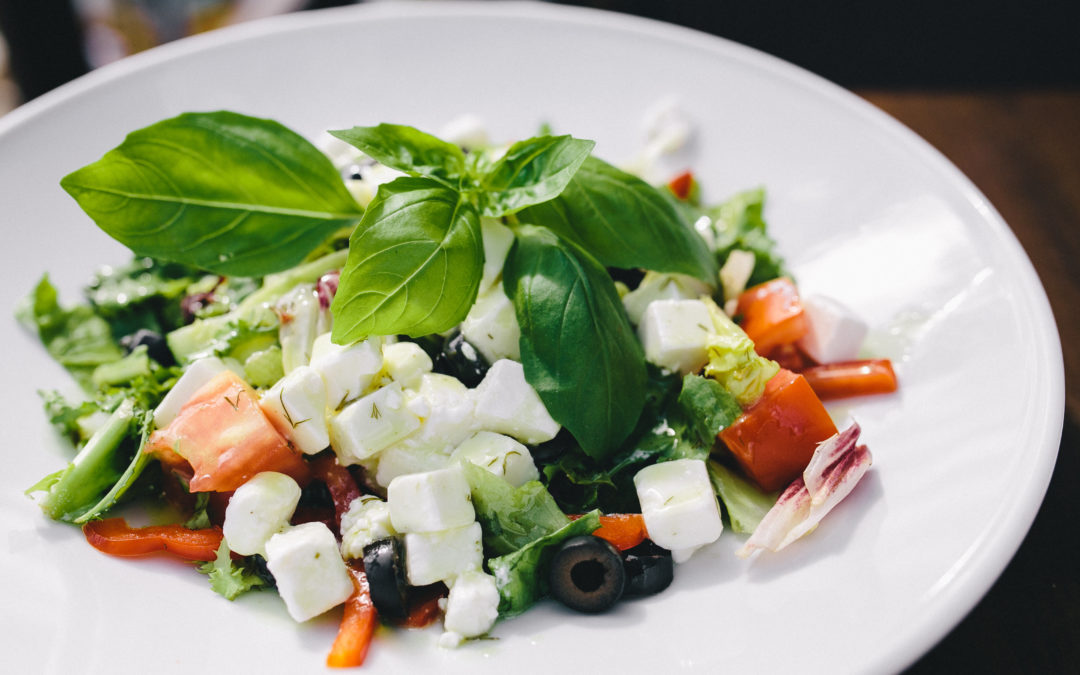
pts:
pixel 223 439
pixel 774 439
pixel 772 314
pixel 357 625
pixel 851 378
pixel 622 530
pixel 115 537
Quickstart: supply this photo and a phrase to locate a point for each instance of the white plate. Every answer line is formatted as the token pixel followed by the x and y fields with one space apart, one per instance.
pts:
pixel 863 209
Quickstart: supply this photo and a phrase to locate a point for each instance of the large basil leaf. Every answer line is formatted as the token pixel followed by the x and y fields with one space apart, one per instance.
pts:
pixel 407 149
pixel 577 346
pixel 624 222
pixel 228 193
pixel 414 264
pixel 532 171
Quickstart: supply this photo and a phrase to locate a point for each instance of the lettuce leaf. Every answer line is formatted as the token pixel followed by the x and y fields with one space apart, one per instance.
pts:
pixel 744 503
pixel 228 578
pixel 738 223
pixel 511 517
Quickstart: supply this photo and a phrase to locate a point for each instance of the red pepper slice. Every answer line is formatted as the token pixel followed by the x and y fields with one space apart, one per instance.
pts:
pixel 621 530
pixel 851 378
pixel 680 185
pixel 115 537
pixel 357 625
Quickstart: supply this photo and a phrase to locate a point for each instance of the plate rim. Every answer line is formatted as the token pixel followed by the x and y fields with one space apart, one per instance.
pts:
pixel 985 560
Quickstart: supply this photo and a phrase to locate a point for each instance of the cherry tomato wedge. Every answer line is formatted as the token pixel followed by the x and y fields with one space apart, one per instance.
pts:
pixel 851 378
pixel 772 314
pixel 115 537
pixel 357 625
pixel 621 530
pixel 681 185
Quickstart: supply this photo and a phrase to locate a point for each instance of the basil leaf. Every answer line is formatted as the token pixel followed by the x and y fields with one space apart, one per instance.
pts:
pixel 228 193
pixel 532 171
pixel 577 346
pixel 624 222
pixel 407 149
pixel 414 264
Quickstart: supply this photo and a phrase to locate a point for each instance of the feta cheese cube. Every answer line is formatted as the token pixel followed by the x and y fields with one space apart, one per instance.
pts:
pixel 406 363
pixel 499 454
pixel 679 507
pixel 733 277
pixel 430 501
pixel 366 521
pixel 675 334
pixel 656 286
pixel 473 604
pixel 310 574
pixel 371 423
pixel 506 403
pixel 259 509
pixel 446 410
pixel 347 370
pixel 197 374
pixel 498 239
pixel 834 332
pixel 296 405
pixel 491 326
pixel 442 556
pixel 406 457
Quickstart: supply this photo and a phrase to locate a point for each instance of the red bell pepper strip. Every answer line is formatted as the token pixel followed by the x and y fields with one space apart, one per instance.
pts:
pixel 772 314
pixel 342 486
pixel 621 530
pixel 115 537
pixel 357 625
pixel 851 378
pixel 681 185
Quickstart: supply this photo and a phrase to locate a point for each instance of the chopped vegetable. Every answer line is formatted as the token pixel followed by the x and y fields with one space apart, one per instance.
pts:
pixel 851 378
pixel 115 537
pixel 357 625
pixel 587 574
pixel 772 314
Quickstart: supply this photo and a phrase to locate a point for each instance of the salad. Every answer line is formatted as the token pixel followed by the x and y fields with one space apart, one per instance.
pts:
pixel 427 378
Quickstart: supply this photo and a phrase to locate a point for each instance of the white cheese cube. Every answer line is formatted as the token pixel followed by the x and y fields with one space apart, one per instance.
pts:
pixel 499 454
pixel 675 334
pixel 197 374
pixel 298 312
pixel 430 501
pixel 679 507
pixel 446 410
pixel 498 239
pixel 834 332
pixel 733 277
pixel 442 556
pixel 506 403
pixel 372 175
pixel 405 363
pixel 259 509
pixel 405 457
pixel 656 286
pixel 296 405
pixel 491 326
pixel 310 574
pixel 347 370
pixel 473 604
pixel 371 423
pixel 366 521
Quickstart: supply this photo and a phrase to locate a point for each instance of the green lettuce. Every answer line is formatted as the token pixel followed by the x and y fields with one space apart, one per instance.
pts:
pixel 510 517
pixel 738 223
pixel 229 578
pixel 744 503
pixel 733 362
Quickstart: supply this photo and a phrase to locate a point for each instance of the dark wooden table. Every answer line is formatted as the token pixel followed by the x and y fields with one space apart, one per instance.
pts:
pixel 1022 149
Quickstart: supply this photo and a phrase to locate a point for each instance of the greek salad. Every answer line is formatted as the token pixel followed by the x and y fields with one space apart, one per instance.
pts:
pixel 433 378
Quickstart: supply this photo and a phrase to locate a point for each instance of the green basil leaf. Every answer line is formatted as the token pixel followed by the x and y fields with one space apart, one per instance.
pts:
pixel 577 346
pixel 414 264
pixel 624 222
pixel 532 171
pixel 228 193
pixel 407 149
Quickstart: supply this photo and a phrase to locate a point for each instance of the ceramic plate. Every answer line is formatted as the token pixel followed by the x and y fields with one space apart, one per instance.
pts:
pixel 864 211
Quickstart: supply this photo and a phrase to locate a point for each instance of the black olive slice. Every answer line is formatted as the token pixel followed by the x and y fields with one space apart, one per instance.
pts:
pixel 462 360
pixel 649 569
pixel 156 346
pixel 385 570
pixel 587 574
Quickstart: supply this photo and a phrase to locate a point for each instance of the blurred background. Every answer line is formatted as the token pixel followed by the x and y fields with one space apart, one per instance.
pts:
pixel 994 86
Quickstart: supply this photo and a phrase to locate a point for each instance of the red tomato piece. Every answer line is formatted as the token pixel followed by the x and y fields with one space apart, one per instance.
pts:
pixel 115 537
pixel 772 314
pixel 852 378
pixel 338 480
pixel 774 439
pixel 223 438
pixel 621 530
pixel 681 185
